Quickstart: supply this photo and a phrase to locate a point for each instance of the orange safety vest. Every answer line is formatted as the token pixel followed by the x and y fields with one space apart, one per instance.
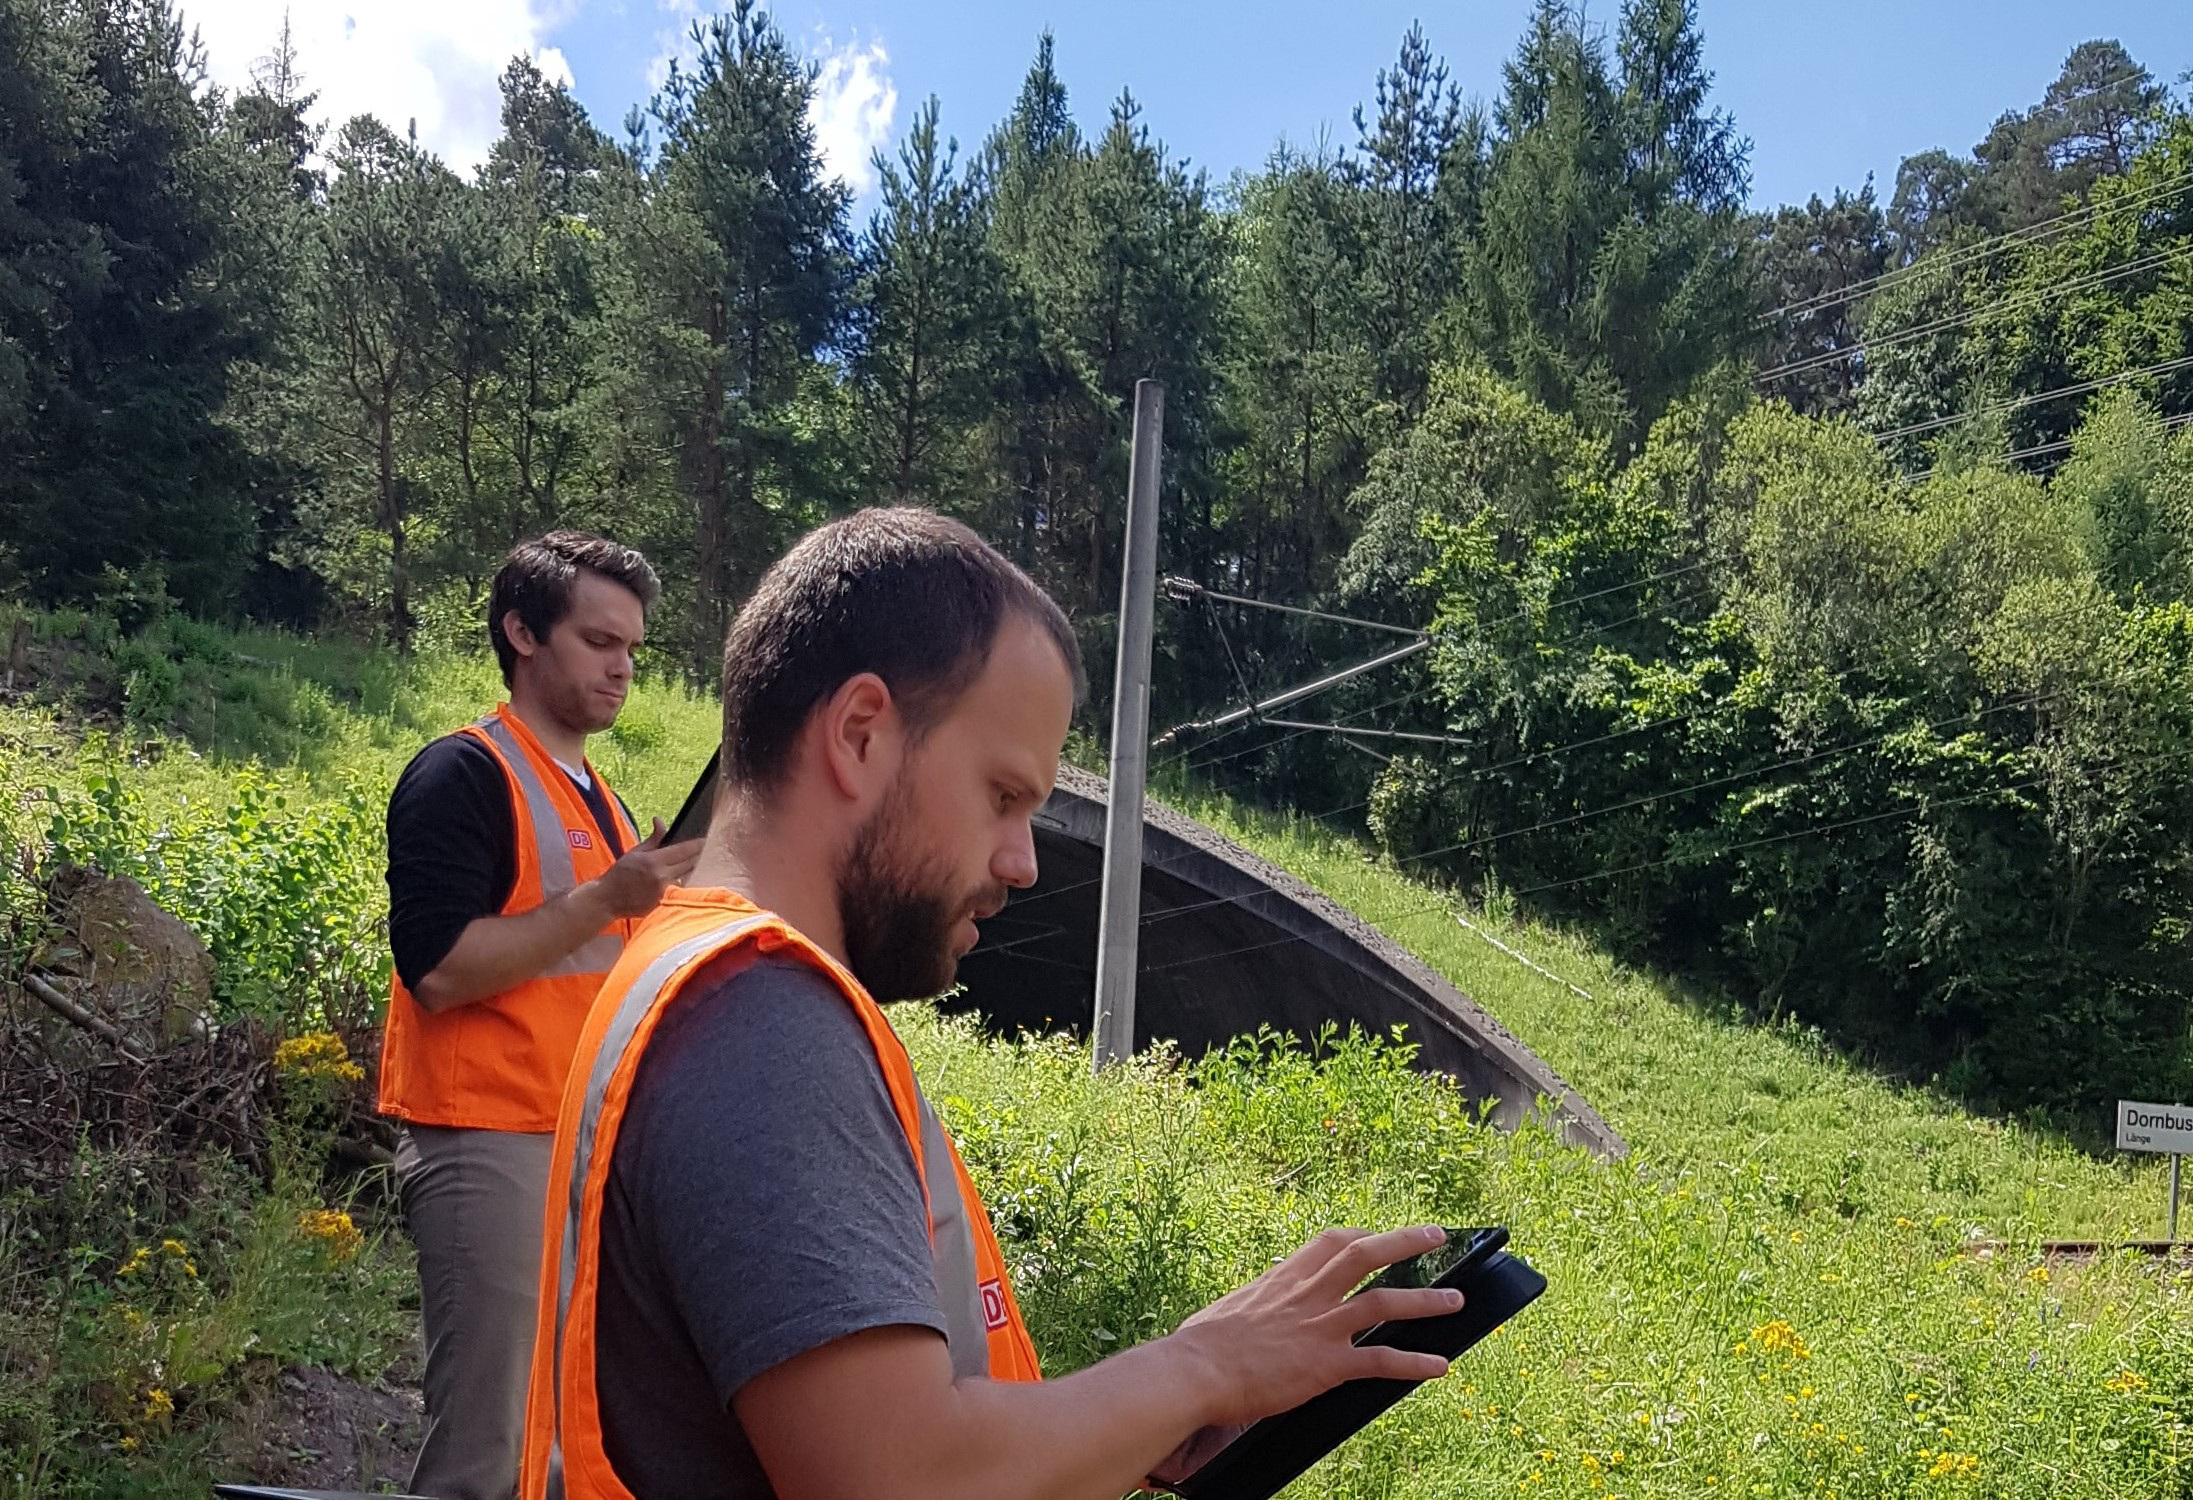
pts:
pixel 564 1454
pixel 499 1063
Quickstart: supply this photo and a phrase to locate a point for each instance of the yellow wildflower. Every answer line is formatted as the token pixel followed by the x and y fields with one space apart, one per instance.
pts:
pixel 159 1405
pixel 175 1248
pixel 2039 1274
pixel 138 1260
pixel 2126 1383
pixel 132 1443
pixel 1777 1337
pixel 317 1054
pixel 1953 1465
pixel 333 1229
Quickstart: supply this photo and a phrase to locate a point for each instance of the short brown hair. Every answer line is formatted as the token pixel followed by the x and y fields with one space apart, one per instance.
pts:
pixel 901 592
pixel 536 580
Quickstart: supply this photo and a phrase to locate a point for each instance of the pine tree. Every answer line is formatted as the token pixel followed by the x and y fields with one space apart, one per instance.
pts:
pixel 539 189
pixel 120 322
pixel 1023 180
pixel 1299 375
pixel 929 327
pixel 1408 238
pixel 1608 273
pixel 1809 258
pixel 759 273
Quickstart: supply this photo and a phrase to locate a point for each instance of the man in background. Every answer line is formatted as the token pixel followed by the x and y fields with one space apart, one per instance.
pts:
pixel 514 876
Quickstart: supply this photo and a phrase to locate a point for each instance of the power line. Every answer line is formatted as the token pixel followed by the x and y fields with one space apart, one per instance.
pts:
pixel 1362 713
pixel 1195 906
pixel 1780 838
pixel 2058 446
pixel 1703 786
pixel 1385 923
pixel 1953 260
pixel 1224 640
pixel 1568 640
pixel 1235 723
pixel 1973 315
pixel 1898 812
pixel 1370 734
pixel 1476 773
pixel 1933 423
pixel 1182 590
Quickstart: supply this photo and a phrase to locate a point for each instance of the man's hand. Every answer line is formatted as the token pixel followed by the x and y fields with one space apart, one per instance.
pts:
pixel 495 953
pixel 924 1435
pixel 633 886
pixel 1288 1335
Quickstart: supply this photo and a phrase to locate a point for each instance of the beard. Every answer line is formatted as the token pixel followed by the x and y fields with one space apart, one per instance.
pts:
pixel 899 909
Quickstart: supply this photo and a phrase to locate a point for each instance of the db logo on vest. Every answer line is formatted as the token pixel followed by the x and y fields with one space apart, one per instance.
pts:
pixel 580 838
pixel 993 1306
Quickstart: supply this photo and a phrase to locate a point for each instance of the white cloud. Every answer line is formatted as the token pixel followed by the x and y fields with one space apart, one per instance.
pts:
pixel 433 61
pixel 852 109
pixel 554 66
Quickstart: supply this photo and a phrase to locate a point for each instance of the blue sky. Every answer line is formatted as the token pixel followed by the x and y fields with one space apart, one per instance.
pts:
pixel 1827 93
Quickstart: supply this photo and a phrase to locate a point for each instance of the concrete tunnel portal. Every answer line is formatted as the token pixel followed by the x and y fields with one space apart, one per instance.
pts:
pixel 1229 943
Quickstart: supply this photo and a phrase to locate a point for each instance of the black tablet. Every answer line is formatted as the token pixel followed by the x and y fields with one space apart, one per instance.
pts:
pixel 700 804
pixel 1269 1455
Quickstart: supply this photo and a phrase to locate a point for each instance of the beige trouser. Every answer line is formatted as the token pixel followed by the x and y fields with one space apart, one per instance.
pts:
pixel 472 1202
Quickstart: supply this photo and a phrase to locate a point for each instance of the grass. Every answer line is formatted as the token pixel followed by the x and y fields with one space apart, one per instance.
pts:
pixel 185 696
pixel 1774 1294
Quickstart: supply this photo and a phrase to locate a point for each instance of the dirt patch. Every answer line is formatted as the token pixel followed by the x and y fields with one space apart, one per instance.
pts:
pixel 316 1431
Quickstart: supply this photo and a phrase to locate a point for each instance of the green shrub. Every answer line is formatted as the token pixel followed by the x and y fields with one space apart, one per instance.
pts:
pixel 283 888
pixel 1128 1200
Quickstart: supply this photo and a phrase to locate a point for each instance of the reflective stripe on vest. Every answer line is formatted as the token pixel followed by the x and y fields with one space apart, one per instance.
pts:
pixel 500 1063
pixel 983 1328
pixel 597 955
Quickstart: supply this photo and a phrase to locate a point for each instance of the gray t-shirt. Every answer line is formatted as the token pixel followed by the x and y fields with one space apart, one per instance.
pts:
pixel 762 1201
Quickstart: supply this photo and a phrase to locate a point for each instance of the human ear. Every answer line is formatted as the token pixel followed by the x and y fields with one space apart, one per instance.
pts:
pixel 522 640
pixel 861 736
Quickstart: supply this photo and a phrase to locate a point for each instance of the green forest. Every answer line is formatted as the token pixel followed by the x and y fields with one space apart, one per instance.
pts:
pixel 1808 603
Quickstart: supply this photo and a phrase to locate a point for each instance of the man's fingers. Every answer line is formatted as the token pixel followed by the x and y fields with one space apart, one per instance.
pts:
pixel 1384 1362
pixel 1319 1253
pixel 1374 1252
pixel 1393 1304
pixel 653 840
pixel 680 858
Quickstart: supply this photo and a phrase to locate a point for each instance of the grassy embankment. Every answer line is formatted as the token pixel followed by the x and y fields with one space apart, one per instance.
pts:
pixel 1768 1297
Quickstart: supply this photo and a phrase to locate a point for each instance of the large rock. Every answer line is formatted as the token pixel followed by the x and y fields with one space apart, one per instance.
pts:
pixel 135 964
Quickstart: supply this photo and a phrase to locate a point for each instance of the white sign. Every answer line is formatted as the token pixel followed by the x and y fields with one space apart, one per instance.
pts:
pixel 2167 1128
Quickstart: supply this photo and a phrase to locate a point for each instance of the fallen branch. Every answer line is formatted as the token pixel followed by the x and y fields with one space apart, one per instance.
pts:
pixel 70 1011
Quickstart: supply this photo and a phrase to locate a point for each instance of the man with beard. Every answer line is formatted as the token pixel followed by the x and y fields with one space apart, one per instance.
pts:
pixel 514 874
pixel 767 1273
